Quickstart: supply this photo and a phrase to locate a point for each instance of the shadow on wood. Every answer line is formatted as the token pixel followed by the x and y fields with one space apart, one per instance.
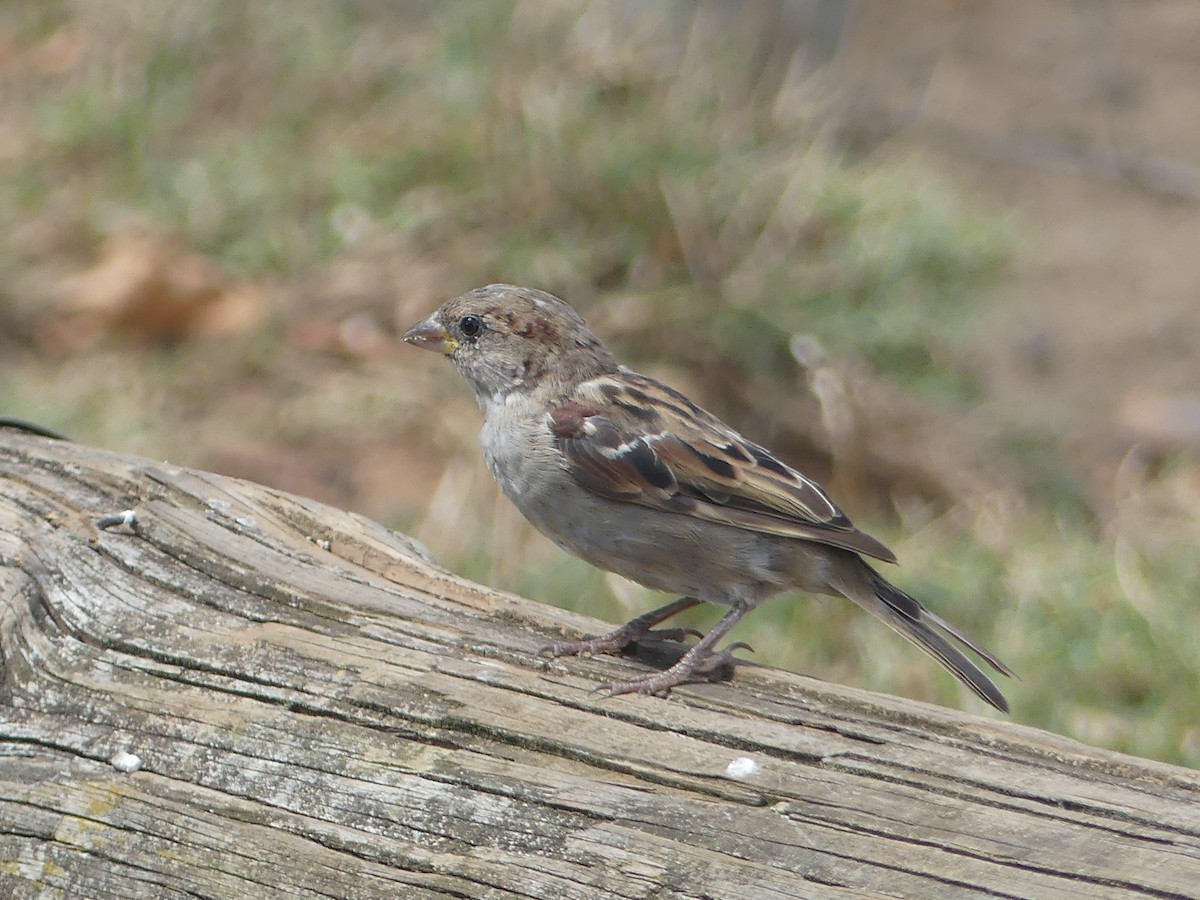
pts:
pixel 318 709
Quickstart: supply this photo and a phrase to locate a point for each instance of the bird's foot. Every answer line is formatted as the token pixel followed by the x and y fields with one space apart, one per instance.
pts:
pixel 617 640
pixel 680 673
pixel 639 629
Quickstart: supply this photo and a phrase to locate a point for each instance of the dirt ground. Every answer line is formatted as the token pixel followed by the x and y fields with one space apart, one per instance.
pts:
pixel 1079 122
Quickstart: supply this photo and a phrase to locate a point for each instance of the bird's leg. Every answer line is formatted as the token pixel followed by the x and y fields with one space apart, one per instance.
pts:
pixel 700 658
pixel 632 631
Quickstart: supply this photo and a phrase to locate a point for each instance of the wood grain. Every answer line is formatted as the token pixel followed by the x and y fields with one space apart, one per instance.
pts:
pixel 321 711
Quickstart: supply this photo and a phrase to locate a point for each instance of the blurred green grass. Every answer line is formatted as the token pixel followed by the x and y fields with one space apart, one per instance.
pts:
pixel 254 130
pixel 639 171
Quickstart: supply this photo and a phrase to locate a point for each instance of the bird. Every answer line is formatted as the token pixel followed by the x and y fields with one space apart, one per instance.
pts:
pixel 621 470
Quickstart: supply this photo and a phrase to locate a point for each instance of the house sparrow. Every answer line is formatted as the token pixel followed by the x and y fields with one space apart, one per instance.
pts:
pixel 630 475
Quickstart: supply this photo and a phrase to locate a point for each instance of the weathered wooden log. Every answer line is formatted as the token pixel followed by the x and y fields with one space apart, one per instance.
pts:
pixel 249 694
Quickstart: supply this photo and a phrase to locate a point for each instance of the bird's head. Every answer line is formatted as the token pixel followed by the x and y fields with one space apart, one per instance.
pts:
pixel 505 339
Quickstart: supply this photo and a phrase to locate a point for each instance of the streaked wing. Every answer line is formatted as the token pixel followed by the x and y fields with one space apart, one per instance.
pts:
pixel 631 438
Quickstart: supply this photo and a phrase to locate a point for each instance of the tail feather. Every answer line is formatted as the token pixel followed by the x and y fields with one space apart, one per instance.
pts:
pixel 986 655
pixel 911 620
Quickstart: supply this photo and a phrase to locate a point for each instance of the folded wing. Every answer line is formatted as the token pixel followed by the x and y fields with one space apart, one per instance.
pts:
pixel 628 437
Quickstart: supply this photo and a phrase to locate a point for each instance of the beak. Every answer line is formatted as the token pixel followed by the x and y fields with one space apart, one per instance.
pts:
pixel 429 335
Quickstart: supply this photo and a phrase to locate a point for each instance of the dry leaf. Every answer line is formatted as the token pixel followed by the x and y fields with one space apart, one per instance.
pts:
pixel 154 290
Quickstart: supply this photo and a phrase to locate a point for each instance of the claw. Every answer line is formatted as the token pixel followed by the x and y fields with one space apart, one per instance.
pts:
pixel 658 683
pixel 723 658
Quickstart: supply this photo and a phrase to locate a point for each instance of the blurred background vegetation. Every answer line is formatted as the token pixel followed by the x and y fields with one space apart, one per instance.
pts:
pixel 941 257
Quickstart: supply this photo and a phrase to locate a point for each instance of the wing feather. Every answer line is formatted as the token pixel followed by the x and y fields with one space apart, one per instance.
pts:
pixel 630 438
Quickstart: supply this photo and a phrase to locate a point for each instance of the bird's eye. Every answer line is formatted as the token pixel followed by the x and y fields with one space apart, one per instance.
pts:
pixel 470 326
